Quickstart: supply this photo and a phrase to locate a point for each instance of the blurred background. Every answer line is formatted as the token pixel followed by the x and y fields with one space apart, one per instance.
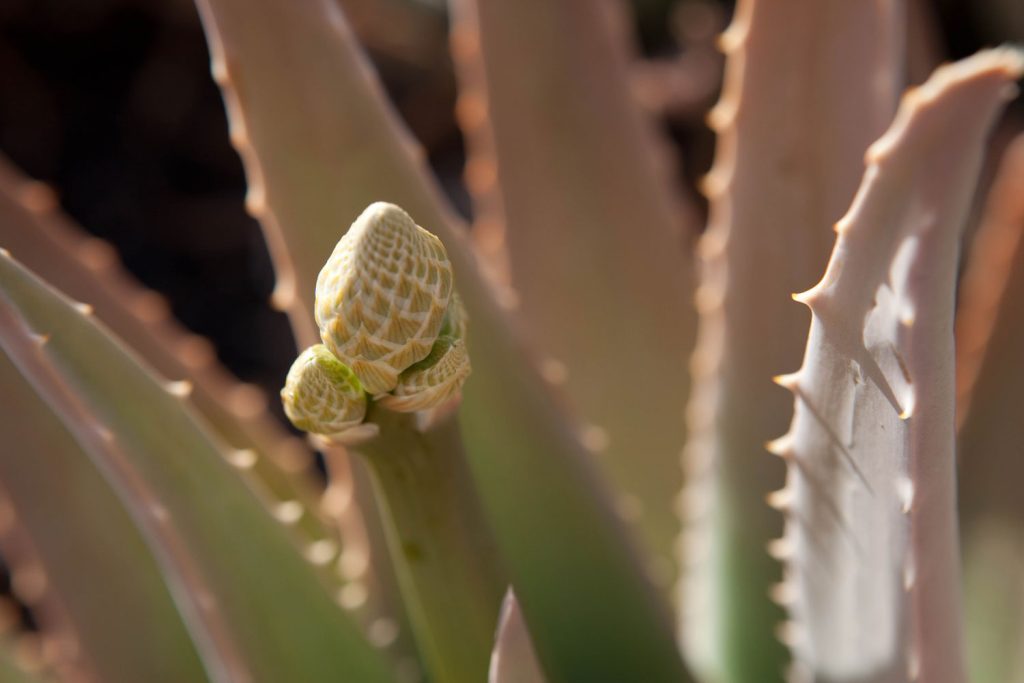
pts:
pixel 111 103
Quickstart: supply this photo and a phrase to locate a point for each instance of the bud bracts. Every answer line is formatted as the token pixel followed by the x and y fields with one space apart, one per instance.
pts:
pixel 321 394
pixel 434 380
pixel 381 298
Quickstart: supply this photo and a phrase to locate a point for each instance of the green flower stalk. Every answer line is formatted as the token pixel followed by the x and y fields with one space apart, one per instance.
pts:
pixel 394 342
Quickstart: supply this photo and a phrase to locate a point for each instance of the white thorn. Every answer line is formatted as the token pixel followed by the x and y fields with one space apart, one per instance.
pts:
pixel 383 632
pixel 353 595
pixel 242 458
pixel 180 389
pixel 321 552
pixel 288 512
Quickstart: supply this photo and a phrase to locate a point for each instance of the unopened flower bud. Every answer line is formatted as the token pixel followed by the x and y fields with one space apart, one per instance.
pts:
pixel 321 395
pixel 381 298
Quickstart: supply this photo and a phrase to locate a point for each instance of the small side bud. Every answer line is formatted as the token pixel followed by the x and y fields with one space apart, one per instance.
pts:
pixel 382 297
pixel 433 381
pixel 322 395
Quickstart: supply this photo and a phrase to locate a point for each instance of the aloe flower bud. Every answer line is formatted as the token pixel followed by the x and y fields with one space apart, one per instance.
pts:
pixel 455 318
pixel 321 394
pixel 382 297
pixel 433 381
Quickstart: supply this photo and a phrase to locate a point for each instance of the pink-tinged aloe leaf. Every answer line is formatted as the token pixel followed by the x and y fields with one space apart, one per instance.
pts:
pixel 808 86
pixel 311 104
pixel 572 197
pixel 254 605
pixel 322 170
pixel 990 374
pixel 513 659
pixel 116 616
pixel 986 324
pixel 872 572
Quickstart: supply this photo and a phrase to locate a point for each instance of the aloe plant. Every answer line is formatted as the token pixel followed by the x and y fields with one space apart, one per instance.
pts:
pixel 501 405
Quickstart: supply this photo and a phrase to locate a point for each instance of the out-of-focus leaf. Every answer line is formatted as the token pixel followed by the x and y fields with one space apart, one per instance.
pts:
pixel 808 85
pixel 320 144
pixel 254 605
pixel 571 193
pixel 11 670
pixel 990 336
pixel 93 559
pixel 86 269
pixel 994 601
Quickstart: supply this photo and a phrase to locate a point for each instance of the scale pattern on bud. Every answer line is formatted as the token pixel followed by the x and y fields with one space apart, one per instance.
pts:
pixel 321 394
pixel 382 296
pixel 434 380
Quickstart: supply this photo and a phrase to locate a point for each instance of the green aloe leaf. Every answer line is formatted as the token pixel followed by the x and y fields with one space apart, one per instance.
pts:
pixel 254 605
pixel 86 269
pixel 320 144
pixel 96 564
pixel 11 670
pixel 568 183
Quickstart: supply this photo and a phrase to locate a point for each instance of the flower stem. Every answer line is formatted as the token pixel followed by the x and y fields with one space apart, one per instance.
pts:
pixel 447 562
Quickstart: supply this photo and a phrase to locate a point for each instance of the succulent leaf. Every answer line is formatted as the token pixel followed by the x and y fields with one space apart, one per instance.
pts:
pixel 513 659
pixel 382 296
pixel 989 339
pixel 321 394
pixel 120 617
pixel 228 562
pixel 575 201
pixel 872 575
pixel 808 85
pixel 279 466
pixel 13 668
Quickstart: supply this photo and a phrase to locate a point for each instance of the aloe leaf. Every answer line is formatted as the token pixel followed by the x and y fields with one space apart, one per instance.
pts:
pixel 325 169
pixel 86 269
pixel 808 86
pixel 569 557
pixel 276 465
pixel 13 671
pixel 994 601
pixel 95 563
pixel 513 659
pixel 989 336
pixel 571 194
pixel 254 605
pixel 872 573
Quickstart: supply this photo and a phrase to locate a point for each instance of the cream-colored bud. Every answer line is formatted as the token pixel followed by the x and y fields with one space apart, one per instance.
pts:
pixel 381 298
pixel 434 380
pixel 321 394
